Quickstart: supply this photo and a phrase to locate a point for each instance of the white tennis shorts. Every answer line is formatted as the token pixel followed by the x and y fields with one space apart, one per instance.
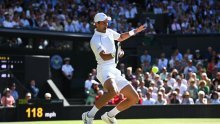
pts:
pixel 104 72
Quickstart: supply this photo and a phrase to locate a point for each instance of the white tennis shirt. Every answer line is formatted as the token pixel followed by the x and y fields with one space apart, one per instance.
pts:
pixel 104 41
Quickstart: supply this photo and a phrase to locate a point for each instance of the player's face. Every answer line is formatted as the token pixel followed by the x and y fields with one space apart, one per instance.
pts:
pixel 102 25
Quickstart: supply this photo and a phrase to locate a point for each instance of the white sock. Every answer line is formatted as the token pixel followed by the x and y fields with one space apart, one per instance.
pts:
pixel 93 111
pixel 113 112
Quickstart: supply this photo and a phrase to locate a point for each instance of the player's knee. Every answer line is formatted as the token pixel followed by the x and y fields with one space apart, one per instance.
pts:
pixel 111 87
pixel 134 99
pixel 113 91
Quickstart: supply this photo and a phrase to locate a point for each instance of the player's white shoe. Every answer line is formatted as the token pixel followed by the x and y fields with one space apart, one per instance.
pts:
pixel 108 120
pixel 86 119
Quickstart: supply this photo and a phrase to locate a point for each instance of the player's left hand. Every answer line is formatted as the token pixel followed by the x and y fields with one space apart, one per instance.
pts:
pixel 139 29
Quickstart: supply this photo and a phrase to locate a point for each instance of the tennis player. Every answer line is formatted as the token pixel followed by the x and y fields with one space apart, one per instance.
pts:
pixel 103 46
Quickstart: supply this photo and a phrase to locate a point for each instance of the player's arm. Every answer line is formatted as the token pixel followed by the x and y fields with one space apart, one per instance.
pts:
pixel 127 35
pixel 106 56
pixel 96 46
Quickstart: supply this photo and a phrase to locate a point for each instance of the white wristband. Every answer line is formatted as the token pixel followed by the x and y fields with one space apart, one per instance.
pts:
pixel 131 33
pixel 113 55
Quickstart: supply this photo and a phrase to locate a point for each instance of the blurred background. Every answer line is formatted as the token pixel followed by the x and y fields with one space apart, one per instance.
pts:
pixel 176 60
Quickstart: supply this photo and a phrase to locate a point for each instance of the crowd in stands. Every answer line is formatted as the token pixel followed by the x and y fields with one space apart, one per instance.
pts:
pixel 188 78
pixel 69 15
pixel 76 16
pixel 11 95
pixel 186 16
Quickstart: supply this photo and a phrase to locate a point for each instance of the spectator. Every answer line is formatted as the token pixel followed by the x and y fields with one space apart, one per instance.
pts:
pixel 24 21
pixel 174 73
pixel 139 74
pixel 129 75
pixel 92 93
pixel 201 99
pixel 198 57
pixel 208 54
pixel 89 82
pixel 58 26
pixel 67 71
pixel 177 65
pixel 189 68
pixel 192 89
pixel 175 27
pixel 69 27
pixel 18 8
pixel 133 10
pixel 211 67
pixel 149 27
pixel 134 82
pixel 158 81
pixel 143 89
pixel 28 97
pixel 177 55
pixel 167 88
pixel 179 96
pixel 170 80
pixel 152 75
pixel 162 62
pixel 184 61
pixel 164 73
pixel 158 9
pixel 14 92
pixel 194 77
pixel 183 80
pixel 215 82
pixel 153 85
pixel 153 94
pixel 205 78
pixel 160 99
pixel 173 98
pixel 148 100
pixel 185 25
pixel 203 87
pixel 162 90
pixel 146 66
pixel 146 57
pixel 147 79
pixel 187 99
pixel 7 23
pixel 215 99
pixel 171 61
pixel 7 100
pixel 94 73
pixel 33 89
pixel 76 24
pixel 47 96
pixel 85 27
pixel 188 54
pixel 180 86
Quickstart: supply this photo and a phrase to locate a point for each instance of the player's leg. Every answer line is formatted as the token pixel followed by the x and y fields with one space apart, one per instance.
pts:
pixel 131 99
pixel 111 91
